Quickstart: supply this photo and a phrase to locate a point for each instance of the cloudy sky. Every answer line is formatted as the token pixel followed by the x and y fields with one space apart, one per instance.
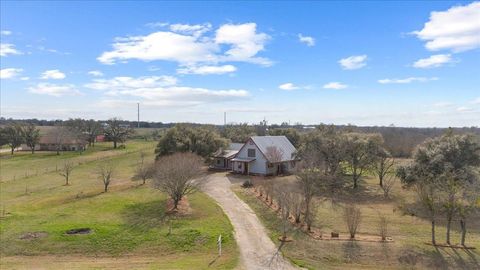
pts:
pixel 370 63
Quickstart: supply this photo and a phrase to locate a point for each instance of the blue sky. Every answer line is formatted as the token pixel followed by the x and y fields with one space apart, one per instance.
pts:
pixel 364 63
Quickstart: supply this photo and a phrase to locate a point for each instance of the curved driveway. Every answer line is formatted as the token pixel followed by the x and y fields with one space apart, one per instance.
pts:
pixel 256 249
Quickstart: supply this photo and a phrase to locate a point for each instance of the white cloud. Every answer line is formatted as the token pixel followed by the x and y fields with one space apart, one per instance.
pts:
pixel 309 41
pixel 25 78
pixel 443 104
pixel 457 29
pixel 335 85
pixel 118 84
pixel 161 91
pixel 476 101
pixel 245 42
pixel 8 73
pixel 5 32
pixel 353 62
pixel 464 109
pixel 95 73
pixel 56 90
pixel 188 45
pixel 156 24
pixel 53 74
pixel 189 29
pixel 7 48
pixel 407 80
pixel 288 86
pixel 433 61
pixel 206 70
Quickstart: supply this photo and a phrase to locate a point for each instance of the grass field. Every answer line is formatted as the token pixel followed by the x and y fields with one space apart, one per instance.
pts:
pixel 130 228
pixel 408 251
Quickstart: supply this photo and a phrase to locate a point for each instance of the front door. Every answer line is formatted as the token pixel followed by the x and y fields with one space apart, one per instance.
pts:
pixel 245 168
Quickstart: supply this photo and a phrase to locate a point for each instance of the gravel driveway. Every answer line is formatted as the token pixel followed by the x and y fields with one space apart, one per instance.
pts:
pixel 256 248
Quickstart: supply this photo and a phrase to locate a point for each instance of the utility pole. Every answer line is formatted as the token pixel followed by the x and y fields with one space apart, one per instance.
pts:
pixel 224 119
pixel 138 114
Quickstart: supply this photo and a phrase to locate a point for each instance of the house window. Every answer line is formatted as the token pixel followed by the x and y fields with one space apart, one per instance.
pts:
pixel 251 152
pixel 218 161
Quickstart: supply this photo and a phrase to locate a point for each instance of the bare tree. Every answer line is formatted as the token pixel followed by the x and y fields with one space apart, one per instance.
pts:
pixel 427 194
pixel 105 172
pixel 92 129
pixel 383 226
pixel 308 177
pixel 352 216
pixel 31 136
pixel 274 156
pixel 297 206
pixel 384 165
pixel 268 187
pixel 59 135
pixel 468 204
pixel 177 175
pixel 284 198
pixel 66 171
pixel 388 183
pixel 144 170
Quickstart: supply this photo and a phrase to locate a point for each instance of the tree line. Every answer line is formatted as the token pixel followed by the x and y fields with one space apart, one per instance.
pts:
pixel 14 134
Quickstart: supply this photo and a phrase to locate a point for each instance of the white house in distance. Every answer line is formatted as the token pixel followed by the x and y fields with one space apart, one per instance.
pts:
pixel 265 155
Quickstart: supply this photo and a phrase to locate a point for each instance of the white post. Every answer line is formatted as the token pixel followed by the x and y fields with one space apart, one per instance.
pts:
pixel 219 242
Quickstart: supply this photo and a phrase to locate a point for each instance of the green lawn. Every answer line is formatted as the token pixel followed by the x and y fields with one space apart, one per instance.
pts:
pixel 409 233
pixel 127 221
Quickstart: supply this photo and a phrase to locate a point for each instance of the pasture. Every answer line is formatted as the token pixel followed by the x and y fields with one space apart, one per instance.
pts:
pixel 129 225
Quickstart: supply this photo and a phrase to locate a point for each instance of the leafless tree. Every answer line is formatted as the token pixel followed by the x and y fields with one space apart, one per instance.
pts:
pixel 144 170
pixel 352 216
pixel 284 198
pixel 59 136
pixel 297 206
pixel 384 164
pixel 383 226
pixel 66 171
pixel 468 204
pixel 308 177
pixel 105 171
pixel 274 156
pixel 388 183
pixel 268 187
pixel 428 196
pixel 177 174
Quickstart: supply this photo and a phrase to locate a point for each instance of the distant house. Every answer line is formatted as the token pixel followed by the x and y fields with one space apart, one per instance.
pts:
pixel 51 142
pixel 222 159
pixel 100 138
pixel 260 155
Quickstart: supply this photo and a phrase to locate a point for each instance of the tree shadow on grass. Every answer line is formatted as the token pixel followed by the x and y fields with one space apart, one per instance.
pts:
pixel 352 251
pixel 452 258
pixel 145 216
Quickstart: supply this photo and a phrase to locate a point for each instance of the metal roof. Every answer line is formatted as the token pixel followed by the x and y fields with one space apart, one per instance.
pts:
pixel 280 142
pixel 235 146
pixel 243 159
pixel 231 151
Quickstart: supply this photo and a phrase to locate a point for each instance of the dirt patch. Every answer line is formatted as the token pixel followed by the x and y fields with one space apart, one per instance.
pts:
pixel 183 207
pixel 33 235
pixel 79 231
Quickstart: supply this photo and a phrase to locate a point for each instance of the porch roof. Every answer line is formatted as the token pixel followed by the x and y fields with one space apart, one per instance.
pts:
pixel 243 159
